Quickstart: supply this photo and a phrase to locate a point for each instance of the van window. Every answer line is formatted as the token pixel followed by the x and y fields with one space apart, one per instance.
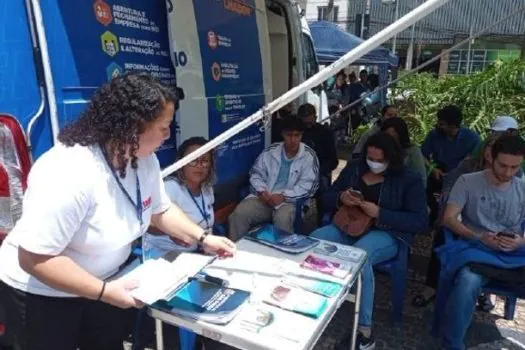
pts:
pixel 310 60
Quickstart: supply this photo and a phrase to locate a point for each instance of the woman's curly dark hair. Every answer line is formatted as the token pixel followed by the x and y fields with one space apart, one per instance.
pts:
pixel 118 113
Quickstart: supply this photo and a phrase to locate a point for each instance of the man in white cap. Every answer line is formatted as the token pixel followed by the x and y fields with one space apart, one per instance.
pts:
pixel 504 124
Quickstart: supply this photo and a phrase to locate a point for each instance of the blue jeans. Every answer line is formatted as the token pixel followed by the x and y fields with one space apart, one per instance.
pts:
pixel 379 245
pixel 460 307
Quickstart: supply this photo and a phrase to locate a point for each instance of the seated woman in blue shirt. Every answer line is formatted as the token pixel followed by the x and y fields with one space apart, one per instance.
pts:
pixel 191 189
pixel 394 197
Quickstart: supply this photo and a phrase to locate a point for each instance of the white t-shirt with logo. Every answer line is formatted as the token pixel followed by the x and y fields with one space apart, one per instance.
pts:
pixel 194 209
pixel 73 206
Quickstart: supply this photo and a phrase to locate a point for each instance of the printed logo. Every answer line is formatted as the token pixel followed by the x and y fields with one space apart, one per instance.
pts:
pixel 216 71
pixel 113 71
pixel 103 12
pixel 212 40
pixel 109 43
pixel 219 103
pixel 146 204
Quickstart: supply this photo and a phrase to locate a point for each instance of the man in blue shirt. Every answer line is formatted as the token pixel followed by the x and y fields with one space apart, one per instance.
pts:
pixel 444 148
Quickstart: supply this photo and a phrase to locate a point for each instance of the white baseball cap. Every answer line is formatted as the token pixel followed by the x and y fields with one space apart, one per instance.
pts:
pixel 504 123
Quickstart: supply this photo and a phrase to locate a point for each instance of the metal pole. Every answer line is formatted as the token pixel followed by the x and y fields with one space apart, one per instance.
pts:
pixel 469 57
pixel 410 50
pixel 316 80
pixel 396 16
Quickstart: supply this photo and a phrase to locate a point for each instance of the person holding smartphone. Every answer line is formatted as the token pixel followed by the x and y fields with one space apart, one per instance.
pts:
pixel 394 196
pixel 491 204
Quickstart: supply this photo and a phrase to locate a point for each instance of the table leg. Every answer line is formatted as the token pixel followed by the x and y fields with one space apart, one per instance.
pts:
pixel 357 308
pixel 159 335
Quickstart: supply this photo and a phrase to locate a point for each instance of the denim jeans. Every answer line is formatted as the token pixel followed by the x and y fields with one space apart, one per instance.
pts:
pixel 461 305
pixel 379 245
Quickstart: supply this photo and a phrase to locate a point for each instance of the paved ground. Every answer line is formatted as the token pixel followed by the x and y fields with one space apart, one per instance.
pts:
pixel 488 331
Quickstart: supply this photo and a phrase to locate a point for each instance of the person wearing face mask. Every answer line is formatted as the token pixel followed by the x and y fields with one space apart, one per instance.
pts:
pixel 444 148
pixel 394 197
pixel 388 111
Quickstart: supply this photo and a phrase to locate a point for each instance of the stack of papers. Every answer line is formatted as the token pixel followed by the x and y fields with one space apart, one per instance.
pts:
pixel 159 279
pixel 297 300
pixel 340 252
pixel 271 236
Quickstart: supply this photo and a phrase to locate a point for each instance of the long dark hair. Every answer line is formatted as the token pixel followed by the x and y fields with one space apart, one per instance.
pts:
pixel 392 150
pixel 183 151
pixel 401 129
pixel 118 113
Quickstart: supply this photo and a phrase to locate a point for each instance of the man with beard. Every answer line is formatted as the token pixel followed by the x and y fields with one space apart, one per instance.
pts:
pixel 444 148
pixel 490 247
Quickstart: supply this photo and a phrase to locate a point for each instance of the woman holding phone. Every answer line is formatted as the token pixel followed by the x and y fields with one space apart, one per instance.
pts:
pixel 394 197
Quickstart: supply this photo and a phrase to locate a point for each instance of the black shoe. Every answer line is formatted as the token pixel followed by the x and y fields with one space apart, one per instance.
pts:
pixel 362 342
pixel 485 304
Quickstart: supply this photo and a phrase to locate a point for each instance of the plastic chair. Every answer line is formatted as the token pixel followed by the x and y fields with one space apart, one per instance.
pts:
pixel 397 268
pixel 491 288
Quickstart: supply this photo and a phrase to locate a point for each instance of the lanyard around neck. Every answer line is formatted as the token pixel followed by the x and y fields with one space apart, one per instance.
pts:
pixel 138 204
pixel 202 209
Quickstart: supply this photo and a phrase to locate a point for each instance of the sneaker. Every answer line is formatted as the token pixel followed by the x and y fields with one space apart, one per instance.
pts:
pixel 362 342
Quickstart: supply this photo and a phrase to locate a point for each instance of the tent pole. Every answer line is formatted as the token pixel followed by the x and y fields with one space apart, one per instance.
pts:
pixel 316 80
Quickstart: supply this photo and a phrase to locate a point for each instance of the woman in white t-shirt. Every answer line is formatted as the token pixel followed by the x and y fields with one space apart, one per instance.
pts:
pixel 192 190
pixel 88 199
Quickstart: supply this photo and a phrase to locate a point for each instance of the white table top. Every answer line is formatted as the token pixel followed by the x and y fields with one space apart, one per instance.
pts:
pixel 289 330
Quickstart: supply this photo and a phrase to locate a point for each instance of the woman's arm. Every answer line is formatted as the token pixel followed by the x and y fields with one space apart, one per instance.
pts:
pixel 62 273
pixel 178 225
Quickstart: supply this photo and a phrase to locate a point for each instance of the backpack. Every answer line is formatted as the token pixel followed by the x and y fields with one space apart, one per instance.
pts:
pixel 15 163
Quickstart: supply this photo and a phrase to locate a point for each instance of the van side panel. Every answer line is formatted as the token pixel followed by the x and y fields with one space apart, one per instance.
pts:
pixel 19 93
pixel 233 78
pixel 193 112
pixel 92 41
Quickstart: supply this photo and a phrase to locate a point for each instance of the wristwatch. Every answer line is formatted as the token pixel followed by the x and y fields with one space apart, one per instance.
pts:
pixel 203 237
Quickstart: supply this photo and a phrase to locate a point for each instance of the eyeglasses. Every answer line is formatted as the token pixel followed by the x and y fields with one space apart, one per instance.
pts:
pixel 204 163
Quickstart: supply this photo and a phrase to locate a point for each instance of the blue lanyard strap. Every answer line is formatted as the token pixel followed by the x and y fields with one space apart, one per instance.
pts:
pixel 202 209
pixel 138 204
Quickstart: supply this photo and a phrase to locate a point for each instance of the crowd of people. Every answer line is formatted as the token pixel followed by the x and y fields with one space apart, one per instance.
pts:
pixel 93 194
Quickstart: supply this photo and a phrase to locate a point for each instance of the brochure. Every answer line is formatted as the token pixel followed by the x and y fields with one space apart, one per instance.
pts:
pixel 325 288
pixel 205 302
pixel 297 300
pixel 328 267
pixel 284 241
pixel 160 278
pixel 340 252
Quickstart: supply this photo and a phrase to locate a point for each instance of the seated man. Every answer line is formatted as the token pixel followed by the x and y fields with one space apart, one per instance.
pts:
pixel 444 148
pixel 282 174
pixel 322 140
pixel 490 202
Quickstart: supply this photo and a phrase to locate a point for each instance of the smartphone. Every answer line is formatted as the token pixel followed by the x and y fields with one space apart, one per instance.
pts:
pixel 505 234
pixel 356 193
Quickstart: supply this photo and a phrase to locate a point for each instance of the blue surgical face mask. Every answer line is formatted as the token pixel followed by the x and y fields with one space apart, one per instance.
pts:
pixel 376 167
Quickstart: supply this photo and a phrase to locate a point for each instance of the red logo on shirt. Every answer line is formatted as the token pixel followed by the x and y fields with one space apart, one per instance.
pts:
pixel 146 203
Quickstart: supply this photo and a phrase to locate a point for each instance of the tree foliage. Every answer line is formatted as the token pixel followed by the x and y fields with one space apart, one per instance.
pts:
pixel 498 90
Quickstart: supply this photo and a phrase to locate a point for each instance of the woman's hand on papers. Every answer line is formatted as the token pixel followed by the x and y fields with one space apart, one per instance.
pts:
pixel 221 246
pixel 117 293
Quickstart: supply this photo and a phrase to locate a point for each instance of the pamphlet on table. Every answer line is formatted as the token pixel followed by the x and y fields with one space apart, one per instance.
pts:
pixel 287 242
pixel 297 300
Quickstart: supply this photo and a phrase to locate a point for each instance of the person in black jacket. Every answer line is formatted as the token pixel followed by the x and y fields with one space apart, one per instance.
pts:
pixel 322 140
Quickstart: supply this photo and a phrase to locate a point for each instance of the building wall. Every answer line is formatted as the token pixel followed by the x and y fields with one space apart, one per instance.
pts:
pixel 342 17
